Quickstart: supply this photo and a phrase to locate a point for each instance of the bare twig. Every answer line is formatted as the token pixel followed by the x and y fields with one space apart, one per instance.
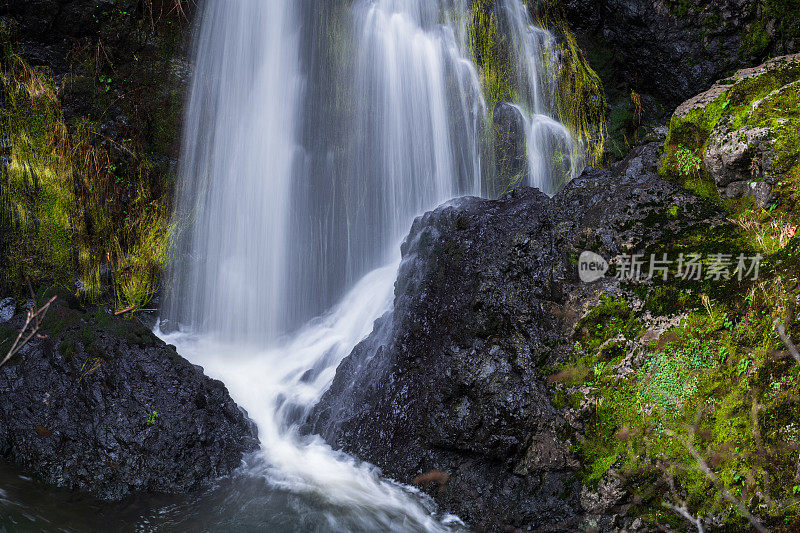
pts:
pixel 788 342
pixel 681 508
pixel 682 511
pixel 706 470
pixel 33 322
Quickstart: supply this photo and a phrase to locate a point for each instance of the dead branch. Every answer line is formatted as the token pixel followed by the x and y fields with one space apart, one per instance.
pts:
pixel 788 342
pixel 683 512
pixel 681 507
pixel 33 322
pixel 134 310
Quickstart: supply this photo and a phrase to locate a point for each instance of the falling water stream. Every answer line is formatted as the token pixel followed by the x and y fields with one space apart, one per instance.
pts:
pixel 413 145
pixel 315 133
pixel 554 155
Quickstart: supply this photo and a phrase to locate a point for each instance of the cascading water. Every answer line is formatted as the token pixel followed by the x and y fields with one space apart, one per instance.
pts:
pixel 257 232
pixel 236 169
pixel 554 156
pixel 417 136
pixel 306 158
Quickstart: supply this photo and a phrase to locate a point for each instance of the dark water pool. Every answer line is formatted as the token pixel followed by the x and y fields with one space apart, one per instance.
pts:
pixel 239 503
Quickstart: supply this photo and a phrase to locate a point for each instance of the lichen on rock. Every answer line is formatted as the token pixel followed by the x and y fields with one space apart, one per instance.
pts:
pixel 745 129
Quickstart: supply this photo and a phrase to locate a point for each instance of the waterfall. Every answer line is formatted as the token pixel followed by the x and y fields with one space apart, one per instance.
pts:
pixel 554 156
pixel 282 216
pixel 315 133
pixel 236 169
pixel 417 130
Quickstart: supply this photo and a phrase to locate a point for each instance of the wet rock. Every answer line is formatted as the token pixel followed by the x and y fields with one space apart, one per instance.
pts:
pixel 486 297
pixel 672 50
pixel 509 142
pixel 7 309
pixel 102 405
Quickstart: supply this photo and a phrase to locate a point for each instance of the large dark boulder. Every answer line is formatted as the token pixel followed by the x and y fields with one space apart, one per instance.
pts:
pixel 449 385
pixel 102 405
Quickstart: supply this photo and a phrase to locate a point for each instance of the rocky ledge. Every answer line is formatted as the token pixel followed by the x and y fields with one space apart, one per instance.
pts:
pixel 448 391
pixel 102 405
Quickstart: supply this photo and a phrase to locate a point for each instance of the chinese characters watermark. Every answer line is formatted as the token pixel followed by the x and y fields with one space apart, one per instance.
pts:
pixel 689 267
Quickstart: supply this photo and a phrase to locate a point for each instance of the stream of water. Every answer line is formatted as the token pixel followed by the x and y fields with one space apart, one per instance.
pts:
pixel 315 133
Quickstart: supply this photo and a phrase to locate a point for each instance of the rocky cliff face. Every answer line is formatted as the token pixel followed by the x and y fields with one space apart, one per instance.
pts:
pixel 451 384
pixel 102 405
pixel 672 50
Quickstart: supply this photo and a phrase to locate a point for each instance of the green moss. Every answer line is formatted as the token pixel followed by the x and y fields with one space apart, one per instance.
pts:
pixel 786 13
pixel 769 100
pixel 669 300
pixel 67 348
pixel 581 96
pixel 580 102
pixel 490 50
pixel 562 398
pixel 38 182
pixel 77 204
pixel 705 374
pixel 755 39
pixel 611 317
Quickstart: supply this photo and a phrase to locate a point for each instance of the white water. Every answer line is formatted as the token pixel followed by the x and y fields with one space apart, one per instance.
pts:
pixel 280 385
pixel 294 195
pixel 554 156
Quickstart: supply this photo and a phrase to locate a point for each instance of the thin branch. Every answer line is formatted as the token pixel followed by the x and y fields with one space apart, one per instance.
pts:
pixel 788 342
pixel 687 515
pixel 33 322
pixel 134 310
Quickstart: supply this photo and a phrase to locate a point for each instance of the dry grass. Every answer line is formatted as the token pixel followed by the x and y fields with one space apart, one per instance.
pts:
pixel 771 233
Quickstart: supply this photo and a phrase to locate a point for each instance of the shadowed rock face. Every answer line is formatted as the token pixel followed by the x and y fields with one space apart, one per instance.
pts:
pixel 102 405
pixel 510 150
pixel 672 50
pixel 486 296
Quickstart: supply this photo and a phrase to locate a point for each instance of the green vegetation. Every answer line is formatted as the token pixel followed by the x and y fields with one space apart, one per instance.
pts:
pixel 786 13
pixel 718 390
pixel 768 100
pixel 79 209
pixel 688 163
pixel 490 49
pixel 610 318
pixel 581 98
pixel 704 414
pixel 581 95
pixel 716 382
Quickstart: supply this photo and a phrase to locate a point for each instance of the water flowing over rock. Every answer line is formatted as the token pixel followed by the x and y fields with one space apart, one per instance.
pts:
pixel 553 156
pixel 327 179
pixel 102 405
pixel 326 176
pixel 486 297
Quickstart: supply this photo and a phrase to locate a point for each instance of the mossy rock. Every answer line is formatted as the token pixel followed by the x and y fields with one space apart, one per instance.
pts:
pixel 611 317
pixel 740 139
